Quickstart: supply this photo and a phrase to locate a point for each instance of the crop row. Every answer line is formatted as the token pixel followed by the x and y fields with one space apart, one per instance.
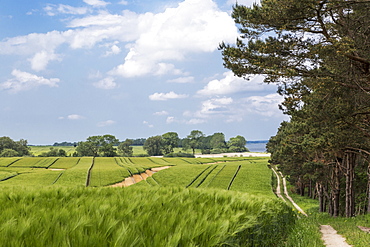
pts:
pixel 74 171
pixel 244 176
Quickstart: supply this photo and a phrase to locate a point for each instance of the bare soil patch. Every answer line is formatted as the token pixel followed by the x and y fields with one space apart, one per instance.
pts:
pixel 139 177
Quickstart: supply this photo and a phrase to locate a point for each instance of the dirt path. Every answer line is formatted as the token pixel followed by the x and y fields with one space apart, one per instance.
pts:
pixel 278 190
pixel 329 235
pixel 332 238
pixel 289 198
pixel 139 177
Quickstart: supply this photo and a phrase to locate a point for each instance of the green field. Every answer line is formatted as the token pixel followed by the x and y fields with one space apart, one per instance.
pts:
pixel 197 202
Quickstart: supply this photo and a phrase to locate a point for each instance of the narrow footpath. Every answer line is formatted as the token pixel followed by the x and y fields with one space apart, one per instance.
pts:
pixel 329 235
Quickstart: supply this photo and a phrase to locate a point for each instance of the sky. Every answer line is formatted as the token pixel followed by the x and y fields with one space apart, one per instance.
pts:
pixel 70 69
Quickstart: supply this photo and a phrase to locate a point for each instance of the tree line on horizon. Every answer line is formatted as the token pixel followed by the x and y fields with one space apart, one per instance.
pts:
pixel 110 146
pixel 318 53
pixel 161 145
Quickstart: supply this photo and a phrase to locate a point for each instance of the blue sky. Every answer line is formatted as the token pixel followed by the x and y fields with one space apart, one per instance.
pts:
pixel 133 68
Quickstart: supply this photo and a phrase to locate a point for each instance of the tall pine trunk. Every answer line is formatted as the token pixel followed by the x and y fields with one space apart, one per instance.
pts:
pixel 335 190
pixel 350 159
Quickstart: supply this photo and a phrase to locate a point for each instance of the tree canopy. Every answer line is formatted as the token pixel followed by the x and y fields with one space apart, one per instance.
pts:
pixel 154 145
pixel 318 53
pixel 125 148
pixel 98 146
pixel 10 148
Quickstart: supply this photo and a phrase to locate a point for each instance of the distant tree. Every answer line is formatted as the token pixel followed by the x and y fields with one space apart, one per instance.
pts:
pixel 153 145
pixel 22 147
pixel 139 142
pixel 86 149
pixel 98 146
pixel 125 148
pixel 170 140
pixel 19 146
pixel 62 153
pixel 106 145
pixel 237 144
pixel 65 144
pixel 218 143
pixel 194 140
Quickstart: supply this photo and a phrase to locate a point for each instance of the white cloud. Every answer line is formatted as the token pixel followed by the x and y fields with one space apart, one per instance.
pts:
pixel 264 105
pixel 170 120
pixel 96 3
pixel 214 106
pixel 53 9
pixel 106 83
pixel 187 79
pixel 167 96
pixel 230 110
pixel 193 26
pixel 154 41
pixel 41 60
pixel 75 117
pixel 161 113
pixel 22 81
pixel 232 84
pixel 114 50
pixel 106 123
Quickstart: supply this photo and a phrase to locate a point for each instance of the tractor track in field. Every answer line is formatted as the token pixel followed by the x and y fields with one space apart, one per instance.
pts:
pixel 135 178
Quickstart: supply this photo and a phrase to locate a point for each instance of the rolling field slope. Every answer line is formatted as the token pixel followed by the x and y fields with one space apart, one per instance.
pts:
pixel 195 202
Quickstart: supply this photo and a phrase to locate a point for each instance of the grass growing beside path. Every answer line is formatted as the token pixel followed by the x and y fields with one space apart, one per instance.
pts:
pixel 306 232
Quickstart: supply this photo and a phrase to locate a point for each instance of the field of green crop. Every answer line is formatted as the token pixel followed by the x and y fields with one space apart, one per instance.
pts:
pixel 196 202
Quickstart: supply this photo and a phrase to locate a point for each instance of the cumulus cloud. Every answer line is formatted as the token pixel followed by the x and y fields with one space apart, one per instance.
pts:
pixel 161 113
pixel 230 84
pixel 263 105
pixel 41 60
pixel 167 96
pixel 153 41
pixel 114 50
pixel 106 123
pixel 230 110
pixel 187 79
pixel 22 81
pixel 106 83
pixel 214 106
pixel 193 26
